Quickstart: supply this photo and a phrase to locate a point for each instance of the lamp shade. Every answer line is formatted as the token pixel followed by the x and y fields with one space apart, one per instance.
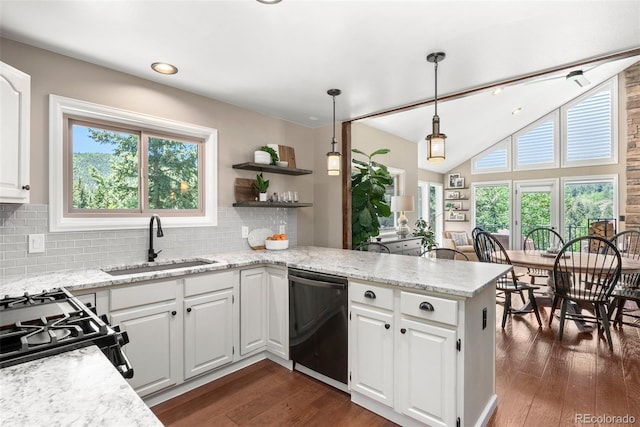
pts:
pixel 402 204
pixel 333 163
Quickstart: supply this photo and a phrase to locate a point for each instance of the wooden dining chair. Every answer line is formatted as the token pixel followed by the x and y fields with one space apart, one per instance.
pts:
pixel 373 247
pixel 447 253
pixel 628 287
pixel 541 239
pixel 489 249
pixel 586 278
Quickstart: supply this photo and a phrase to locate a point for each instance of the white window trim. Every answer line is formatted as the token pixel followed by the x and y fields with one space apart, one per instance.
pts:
pixel 614 126
pixel 555 118
pixel 589 179
pixel 59 106
pixel 506 144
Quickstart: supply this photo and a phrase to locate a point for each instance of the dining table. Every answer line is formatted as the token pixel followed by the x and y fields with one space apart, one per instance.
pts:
pixel 544 260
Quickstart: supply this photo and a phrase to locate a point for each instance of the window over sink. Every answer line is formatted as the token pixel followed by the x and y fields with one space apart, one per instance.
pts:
pixel 112 169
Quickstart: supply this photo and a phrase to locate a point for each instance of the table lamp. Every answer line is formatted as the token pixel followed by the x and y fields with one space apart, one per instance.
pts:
pixel 402 204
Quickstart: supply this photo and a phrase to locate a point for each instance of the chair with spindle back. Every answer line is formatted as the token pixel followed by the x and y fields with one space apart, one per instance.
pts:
pixel 447 253
pixel 586 278
pixel 628 287
pixel 373 247
pixel 541 239
pixel 489 249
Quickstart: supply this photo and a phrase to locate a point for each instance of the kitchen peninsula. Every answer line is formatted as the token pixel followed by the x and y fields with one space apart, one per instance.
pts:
pixel 461 306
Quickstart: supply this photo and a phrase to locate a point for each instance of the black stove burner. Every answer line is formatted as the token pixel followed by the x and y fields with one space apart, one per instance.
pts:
pixel 35 326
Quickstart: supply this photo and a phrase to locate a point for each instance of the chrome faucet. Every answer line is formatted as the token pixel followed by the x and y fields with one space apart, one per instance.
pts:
pixel 152 254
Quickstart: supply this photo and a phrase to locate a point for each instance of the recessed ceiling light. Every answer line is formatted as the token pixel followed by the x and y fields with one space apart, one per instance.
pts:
pixel 269 1
pixel 497 91
pixel 516 111
pixel 164 68
pixel 313 118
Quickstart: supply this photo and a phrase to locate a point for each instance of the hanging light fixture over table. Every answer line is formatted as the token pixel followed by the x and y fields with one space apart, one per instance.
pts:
pixel 435 141
pixel 333 156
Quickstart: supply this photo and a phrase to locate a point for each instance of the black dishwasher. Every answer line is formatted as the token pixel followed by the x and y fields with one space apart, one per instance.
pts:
pixel 318 322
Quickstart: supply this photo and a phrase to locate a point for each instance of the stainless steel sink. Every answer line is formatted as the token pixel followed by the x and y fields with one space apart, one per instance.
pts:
pixel 146 268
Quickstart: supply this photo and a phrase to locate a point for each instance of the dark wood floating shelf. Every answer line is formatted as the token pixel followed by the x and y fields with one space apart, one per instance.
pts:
pixel 254 204
pixel 250 166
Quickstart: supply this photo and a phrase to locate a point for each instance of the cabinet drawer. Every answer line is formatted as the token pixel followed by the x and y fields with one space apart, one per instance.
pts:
pixel 443 310
pixel 133 296
pixel 411 244
pixel 394 248
pixel 374 296
pixel 203 283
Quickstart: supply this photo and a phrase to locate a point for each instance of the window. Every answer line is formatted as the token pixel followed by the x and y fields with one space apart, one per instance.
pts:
pixel 587 200
pixel 389 224
pixel 127 171
pixel 430 206
pixel 535 147
pixel 491 206
pixel 495 159
pixel 589 134
pixel 112 169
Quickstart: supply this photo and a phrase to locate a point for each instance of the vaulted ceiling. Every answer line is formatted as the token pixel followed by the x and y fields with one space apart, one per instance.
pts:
pixel 281 59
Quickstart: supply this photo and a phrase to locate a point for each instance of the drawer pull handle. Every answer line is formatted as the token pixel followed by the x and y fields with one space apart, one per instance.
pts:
pixel 426 306
pixel 403 331
pixel 370 294
pixel 387 326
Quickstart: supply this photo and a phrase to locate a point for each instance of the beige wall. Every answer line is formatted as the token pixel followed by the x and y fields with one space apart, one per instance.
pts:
pixel 240 131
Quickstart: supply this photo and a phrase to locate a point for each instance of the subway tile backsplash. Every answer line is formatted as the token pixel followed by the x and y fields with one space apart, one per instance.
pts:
pixel 94 249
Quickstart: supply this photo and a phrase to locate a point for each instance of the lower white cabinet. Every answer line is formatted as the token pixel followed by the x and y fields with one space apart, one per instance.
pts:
pixel 177 328
pixel 264 311
pixel 253 310
pixel 427 372
pixel 278 312
pixel 406 360
pixel 149 314
pixel 208 322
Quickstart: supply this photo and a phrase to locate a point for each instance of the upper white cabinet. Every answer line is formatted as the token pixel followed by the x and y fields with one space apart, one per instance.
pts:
pixel 15 104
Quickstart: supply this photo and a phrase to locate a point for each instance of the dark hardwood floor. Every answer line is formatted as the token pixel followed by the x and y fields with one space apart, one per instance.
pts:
pixel 540 381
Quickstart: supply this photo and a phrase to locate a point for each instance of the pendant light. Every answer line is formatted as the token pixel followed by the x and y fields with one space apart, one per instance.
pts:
pixel 334 157
pixel 435 141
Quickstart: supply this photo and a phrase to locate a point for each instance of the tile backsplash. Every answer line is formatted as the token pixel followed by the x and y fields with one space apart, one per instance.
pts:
pixel 93 249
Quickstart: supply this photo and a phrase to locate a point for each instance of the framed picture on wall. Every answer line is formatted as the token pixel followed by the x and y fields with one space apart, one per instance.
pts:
pixel 457 183
pixel 452 195
pixel 456 206
pixel 453 179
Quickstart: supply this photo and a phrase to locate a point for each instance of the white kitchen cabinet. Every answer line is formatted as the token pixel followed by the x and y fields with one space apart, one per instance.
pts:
pixel 416 370
pixel 427 372
pixel 15 101
pixel 253 310
pixel 150 315
pixel 278 312
pixel 371 352
pixel 208 322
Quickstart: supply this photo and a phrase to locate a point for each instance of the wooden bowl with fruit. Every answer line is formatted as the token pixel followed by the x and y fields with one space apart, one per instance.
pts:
pixel 277 242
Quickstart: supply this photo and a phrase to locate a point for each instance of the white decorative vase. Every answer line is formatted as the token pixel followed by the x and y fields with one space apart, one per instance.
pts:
pixel 263 196
pixel 261 157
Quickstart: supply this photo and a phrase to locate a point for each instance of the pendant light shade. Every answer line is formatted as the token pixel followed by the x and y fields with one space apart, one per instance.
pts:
pixel 334 158
pixel 435 141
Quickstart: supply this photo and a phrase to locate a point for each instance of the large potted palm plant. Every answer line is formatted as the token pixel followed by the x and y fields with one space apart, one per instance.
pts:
pixel 368 182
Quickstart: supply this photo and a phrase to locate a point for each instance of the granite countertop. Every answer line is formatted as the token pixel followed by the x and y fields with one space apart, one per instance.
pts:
pixel 456 278
pixel 76 388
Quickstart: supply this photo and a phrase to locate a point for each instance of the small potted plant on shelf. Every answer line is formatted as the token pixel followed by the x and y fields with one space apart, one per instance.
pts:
pixel 262 186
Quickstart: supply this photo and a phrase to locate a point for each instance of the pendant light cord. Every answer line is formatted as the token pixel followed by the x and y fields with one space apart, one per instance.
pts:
pixel 435 103
pixel 333 141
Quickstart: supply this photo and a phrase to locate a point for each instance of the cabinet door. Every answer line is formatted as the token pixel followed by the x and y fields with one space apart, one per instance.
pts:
pixel 278 312
pixel 371 353
pixel 253 306
pixel 208 332
pixel 427 373
pixel 15 100
pixel 153 344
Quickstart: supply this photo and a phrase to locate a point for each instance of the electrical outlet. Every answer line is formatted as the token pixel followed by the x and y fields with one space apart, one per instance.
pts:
pixel 36 243
pixel 245 232
pixel 282 229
